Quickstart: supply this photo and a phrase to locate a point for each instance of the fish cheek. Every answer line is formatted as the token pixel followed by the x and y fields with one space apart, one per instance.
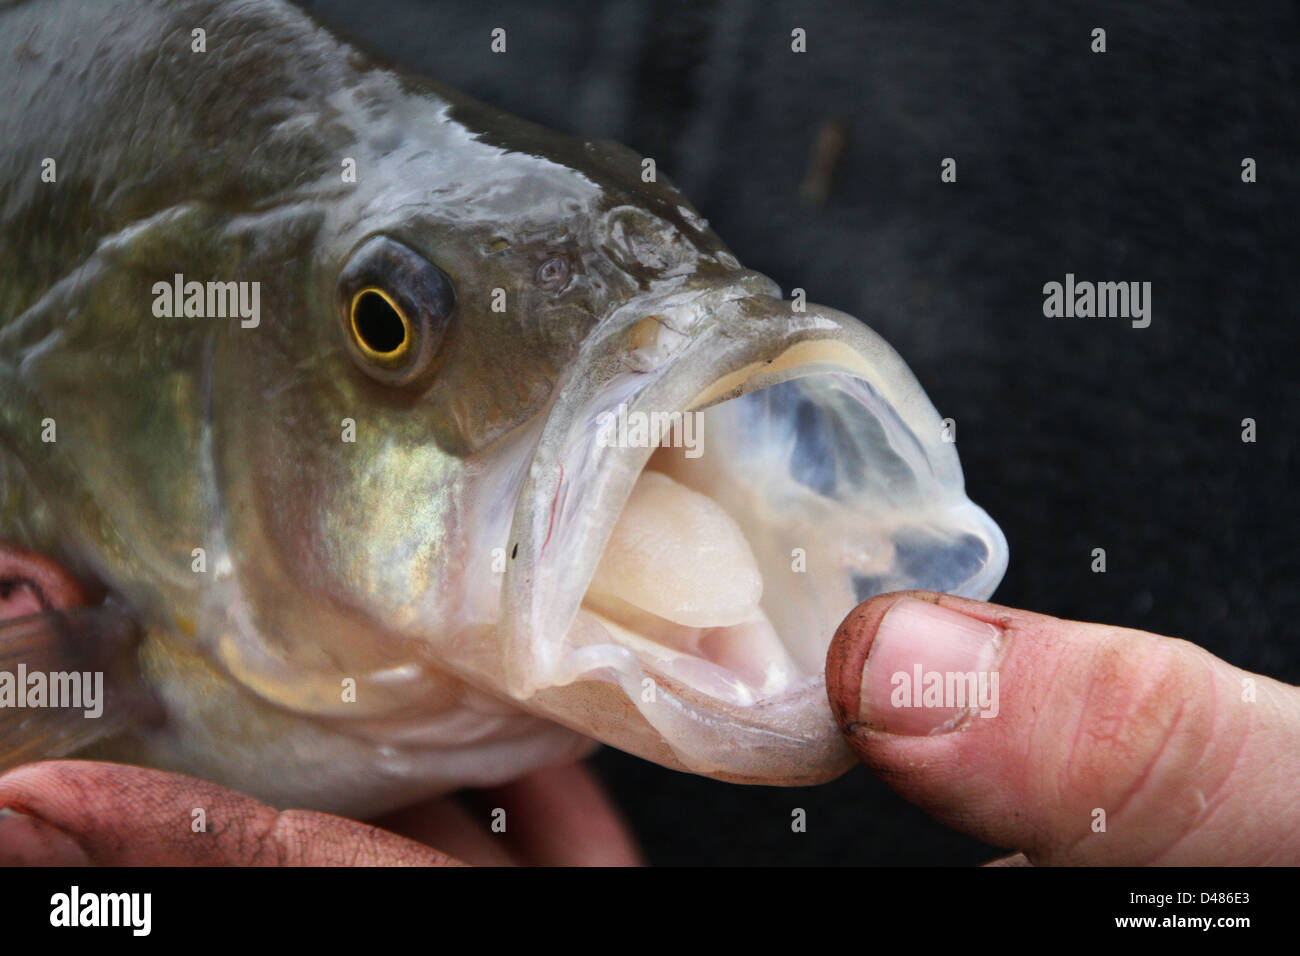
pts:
pixel 485 388
pixel 503 368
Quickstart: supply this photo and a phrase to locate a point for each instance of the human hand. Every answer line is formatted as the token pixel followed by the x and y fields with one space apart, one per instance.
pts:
pixel 77 812
pixel 1181 757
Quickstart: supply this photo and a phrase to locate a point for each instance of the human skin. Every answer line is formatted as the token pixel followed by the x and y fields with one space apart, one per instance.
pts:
pixel 1188 759
pixel 1191 761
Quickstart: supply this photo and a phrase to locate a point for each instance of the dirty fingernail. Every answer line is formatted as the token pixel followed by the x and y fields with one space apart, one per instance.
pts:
pixel 928 670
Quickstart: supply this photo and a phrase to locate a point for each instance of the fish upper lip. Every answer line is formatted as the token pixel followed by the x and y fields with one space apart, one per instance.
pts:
pixel 573 496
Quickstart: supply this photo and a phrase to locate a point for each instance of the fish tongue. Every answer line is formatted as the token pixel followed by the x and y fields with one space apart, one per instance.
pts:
pixel 676 554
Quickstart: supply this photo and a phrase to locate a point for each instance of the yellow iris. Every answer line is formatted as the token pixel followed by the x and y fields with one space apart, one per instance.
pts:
pixel 379 326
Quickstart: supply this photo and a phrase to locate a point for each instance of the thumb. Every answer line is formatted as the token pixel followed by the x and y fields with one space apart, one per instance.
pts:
pixel 1075 743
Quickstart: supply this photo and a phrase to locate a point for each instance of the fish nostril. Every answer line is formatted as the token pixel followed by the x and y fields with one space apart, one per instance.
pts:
pixel 553 274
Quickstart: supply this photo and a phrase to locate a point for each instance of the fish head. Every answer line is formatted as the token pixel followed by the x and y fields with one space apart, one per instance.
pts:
pixel 535 426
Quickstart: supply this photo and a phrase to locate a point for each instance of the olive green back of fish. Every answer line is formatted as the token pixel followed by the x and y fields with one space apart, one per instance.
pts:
pixel 177 437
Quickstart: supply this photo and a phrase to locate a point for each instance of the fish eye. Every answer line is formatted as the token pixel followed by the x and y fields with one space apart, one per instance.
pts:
pixel 396 306
pixel 380 327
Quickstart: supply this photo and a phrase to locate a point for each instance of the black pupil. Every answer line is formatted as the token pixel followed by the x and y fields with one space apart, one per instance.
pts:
pixel 378 324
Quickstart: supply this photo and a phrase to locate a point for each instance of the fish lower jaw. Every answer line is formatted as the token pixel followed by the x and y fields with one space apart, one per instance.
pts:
pixel 720 662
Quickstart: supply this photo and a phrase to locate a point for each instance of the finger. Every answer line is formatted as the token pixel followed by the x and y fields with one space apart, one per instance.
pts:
pixel 447 825
pixel 1094 744
pixel 31 583
pixel 561 816
pixel 74 811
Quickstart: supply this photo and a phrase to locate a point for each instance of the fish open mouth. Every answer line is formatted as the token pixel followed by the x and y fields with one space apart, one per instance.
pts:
pixel 707 533
pixel 757 524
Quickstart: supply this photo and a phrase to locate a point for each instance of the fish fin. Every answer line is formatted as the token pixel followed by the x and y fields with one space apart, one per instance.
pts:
pixel 82 659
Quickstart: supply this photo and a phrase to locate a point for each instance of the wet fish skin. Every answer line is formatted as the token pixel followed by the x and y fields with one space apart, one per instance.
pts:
pixel 325 561
pixel 227 165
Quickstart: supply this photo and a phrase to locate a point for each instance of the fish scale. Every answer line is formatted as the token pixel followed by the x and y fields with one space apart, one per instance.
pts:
pixel 337 543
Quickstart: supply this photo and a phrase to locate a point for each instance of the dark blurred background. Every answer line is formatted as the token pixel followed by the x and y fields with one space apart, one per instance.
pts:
pixel 1074 434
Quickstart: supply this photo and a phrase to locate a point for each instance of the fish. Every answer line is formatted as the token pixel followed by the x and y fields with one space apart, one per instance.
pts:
pixel 372 442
